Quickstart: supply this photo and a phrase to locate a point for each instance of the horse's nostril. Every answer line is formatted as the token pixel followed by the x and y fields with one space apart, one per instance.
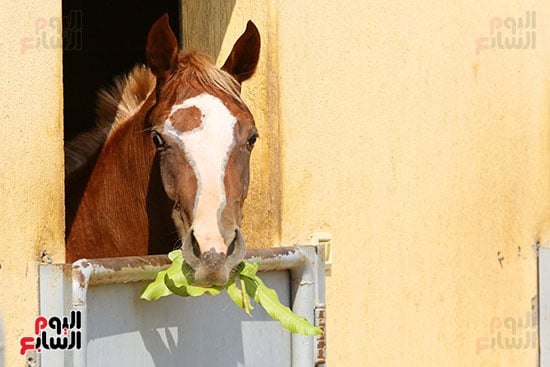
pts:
pixel 195 245
pixel 236 251
pixel 191 250
pixel 231 247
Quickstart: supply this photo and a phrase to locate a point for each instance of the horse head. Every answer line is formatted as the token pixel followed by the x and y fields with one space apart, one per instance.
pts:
pixel 204 135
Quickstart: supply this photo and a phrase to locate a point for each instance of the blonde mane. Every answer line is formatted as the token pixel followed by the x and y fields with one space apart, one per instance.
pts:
pixel 114 106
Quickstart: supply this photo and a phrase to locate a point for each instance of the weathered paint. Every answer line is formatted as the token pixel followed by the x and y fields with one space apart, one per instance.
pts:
pixel 31 178
pixel 140 268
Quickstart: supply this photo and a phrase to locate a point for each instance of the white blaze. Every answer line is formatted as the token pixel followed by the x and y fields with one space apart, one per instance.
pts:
pixel 207 149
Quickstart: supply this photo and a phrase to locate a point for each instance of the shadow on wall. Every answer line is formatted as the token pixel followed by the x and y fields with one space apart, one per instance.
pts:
pixel 204 24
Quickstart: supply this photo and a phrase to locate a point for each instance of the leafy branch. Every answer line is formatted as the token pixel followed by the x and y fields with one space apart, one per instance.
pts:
pixel 245 284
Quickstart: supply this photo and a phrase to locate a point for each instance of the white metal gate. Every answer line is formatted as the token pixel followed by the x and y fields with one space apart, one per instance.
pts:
pixel 120 329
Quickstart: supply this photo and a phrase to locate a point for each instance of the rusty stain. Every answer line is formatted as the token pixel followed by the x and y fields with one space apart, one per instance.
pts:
pixel 105 270
pixel 67 269
pixel 320 320
pixel 269 252
pixel 77 274
pixel 118 263
pixel 84 264
pixel 79 277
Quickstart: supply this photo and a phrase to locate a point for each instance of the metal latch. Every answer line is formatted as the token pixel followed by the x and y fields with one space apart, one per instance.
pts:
pixel 320 340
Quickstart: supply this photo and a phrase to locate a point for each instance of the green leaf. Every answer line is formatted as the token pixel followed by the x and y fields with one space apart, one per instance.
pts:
pixel 246 299
pixel 249 270
pixel 239 296
pixel 178 279
pixel 175 254
pixel 234 293
pixel 269 300
pixel 156 289
pixel 179 272
pixel 186 290
pixel 178 290
pixel 195 290
pixel 250 285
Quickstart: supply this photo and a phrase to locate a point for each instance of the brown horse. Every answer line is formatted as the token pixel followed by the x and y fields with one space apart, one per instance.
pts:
pixel 171 165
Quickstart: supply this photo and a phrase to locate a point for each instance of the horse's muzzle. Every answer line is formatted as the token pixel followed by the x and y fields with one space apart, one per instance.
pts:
pixel 212 267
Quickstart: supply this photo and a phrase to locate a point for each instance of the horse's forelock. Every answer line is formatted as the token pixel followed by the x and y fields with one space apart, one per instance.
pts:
pixel 196 67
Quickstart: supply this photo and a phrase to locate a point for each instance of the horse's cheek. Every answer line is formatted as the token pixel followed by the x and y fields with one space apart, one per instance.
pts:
pixel 168 181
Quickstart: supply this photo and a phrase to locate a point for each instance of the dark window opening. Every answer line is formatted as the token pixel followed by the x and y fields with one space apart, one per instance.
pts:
pixel 103 39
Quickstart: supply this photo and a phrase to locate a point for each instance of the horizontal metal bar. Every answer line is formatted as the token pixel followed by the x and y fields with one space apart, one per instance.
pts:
pixel 141 268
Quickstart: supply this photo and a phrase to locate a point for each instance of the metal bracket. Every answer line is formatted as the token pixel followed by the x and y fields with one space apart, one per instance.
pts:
pixel 324 239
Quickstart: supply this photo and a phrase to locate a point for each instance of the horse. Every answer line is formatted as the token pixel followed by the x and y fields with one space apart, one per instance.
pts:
pixel 168 164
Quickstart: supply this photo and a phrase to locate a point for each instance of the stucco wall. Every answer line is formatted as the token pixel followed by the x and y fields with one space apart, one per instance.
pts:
pixel 31 179
pixel 427 163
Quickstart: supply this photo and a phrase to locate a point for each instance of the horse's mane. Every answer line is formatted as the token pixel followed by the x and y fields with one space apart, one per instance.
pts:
pixel 118 103
pixel 114 106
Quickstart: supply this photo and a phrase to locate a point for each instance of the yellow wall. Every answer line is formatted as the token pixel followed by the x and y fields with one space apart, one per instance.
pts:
pixel 31 179
pixel 425 162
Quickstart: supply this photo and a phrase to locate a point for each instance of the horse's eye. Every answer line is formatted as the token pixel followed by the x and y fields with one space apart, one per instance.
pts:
pixel 251 141
pixel 158 141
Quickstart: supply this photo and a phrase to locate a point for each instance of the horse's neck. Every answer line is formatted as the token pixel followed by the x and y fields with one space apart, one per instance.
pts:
pixel 124 205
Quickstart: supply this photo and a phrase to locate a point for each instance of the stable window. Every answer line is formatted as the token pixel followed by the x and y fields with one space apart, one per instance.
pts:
pixel 103 39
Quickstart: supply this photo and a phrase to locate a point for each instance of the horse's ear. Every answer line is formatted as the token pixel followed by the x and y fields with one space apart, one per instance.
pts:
pixel 161 51
pixel 244 56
